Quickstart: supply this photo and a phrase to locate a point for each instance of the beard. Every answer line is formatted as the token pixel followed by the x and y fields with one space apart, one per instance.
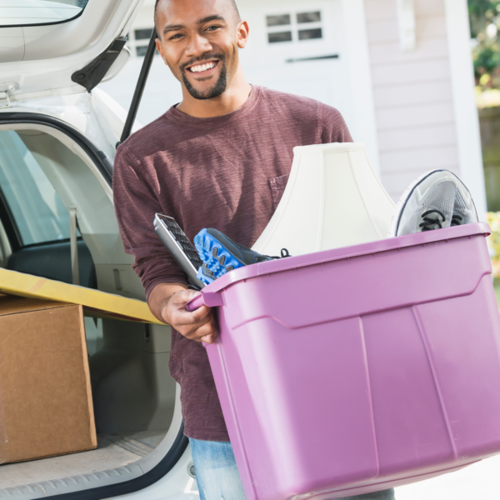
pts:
pixel 214 91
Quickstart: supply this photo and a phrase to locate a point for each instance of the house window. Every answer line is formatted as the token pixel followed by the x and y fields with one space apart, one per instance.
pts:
pixel 280 36
pixel 141 50
pixel 310 34
pixel 143 34
pixel 139 41
pixel 309 17
pixel 281 20
pixel 295 22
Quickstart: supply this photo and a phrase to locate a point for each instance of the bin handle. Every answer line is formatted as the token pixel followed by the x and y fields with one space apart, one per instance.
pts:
pixel 195 303
pixel 210 299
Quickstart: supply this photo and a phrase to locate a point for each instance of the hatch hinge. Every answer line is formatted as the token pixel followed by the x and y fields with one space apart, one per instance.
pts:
pixel 91 75
pixel 6 91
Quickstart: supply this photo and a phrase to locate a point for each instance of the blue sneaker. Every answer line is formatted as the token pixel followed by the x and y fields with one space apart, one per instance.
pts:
pixel 221 254
pixel 205 275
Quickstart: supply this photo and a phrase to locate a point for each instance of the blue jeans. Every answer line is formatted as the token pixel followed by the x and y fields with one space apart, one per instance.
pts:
pixel 218 478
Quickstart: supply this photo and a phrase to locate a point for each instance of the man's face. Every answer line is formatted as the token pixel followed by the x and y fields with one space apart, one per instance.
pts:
pixel 199 40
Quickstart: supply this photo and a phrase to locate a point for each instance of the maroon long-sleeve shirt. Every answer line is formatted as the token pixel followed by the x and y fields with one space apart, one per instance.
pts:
pixel 226 172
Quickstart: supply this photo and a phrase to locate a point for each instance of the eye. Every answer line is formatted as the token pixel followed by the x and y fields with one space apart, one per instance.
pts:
pixel 175 37
pixel 213 27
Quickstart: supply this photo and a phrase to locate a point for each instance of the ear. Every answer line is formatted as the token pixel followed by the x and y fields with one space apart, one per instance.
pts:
pixel 243 31
pixel 159 47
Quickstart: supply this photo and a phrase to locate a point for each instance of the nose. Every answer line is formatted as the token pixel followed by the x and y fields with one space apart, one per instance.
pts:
pixel 198 45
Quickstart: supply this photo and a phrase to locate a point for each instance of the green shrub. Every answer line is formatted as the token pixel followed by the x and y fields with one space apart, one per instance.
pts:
pixel 494 241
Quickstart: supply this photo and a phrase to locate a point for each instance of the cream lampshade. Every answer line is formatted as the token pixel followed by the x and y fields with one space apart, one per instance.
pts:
pixel 332 199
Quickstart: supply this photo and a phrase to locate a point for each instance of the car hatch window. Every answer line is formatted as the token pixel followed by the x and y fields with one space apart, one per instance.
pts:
pixel 36 209
pixel 39 12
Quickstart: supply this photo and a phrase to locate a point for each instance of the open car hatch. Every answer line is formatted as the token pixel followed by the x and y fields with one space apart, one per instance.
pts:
pixel 60 47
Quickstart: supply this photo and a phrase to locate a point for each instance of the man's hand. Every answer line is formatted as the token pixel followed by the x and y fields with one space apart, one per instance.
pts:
pixel 198 325
pixel 167 302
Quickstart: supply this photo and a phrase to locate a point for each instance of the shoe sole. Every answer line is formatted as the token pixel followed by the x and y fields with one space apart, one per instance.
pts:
pixel 203 277
pixel 403 200
pixel 215 255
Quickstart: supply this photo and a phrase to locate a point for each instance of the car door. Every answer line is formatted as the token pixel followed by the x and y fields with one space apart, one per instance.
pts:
pixel 57 142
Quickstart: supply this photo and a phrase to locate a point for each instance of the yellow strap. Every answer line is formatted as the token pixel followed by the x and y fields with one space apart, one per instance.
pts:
pixel 95 302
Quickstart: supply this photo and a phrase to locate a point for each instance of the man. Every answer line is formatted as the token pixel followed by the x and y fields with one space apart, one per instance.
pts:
pixel 219 158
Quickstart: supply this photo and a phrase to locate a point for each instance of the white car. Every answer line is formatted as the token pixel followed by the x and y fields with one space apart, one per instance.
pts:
pixel 58 137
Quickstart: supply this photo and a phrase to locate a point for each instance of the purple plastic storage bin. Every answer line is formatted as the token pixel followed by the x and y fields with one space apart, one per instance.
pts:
pixel 361 368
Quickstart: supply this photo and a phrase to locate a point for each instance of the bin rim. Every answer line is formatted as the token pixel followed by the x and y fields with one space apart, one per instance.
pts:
pixel 324 256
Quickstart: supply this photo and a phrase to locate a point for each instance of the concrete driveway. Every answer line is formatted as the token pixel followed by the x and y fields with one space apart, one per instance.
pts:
pixel 480 481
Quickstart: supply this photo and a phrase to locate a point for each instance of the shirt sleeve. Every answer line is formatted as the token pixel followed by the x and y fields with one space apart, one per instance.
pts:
pixel 333 127
pixel 136 205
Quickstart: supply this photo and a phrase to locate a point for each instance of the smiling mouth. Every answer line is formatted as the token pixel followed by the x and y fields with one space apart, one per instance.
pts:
pixel 202 68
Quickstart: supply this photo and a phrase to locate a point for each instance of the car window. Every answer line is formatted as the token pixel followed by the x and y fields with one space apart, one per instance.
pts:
pixel 37 12
pixel 36 208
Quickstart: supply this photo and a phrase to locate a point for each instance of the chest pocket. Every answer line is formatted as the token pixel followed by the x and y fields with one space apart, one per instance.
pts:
pixel 277 186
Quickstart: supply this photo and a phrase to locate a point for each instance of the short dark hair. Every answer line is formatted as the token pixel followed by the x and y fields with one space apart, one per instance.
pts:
pixel 236 12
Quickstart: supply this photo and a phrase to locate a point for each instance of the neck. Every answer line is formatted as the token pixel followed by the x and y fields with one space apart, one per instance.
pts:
pixel 230 100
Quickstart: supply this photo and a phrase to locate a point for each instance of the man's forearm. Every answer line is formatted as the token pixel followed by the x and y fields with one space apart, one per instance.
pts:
pixel 159 297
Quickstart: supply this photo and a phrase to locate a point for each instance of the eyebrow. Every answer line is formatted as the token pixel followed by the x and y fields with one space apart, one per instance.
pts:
pixel 215 17
pixel 176 27
pixel 172 27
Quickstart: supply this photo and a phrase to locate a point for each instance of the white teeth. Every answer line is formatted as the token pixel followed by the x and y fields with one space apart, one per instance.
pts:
pixel 202 67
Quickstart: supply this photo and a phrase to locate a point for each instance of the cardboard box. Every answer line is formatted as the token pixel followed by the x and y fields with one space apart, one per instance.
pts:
pixel 45 395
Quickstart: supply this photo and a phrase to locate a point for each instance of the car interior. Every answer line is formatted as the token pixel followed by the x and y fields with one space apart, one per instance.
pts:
pixel 44 179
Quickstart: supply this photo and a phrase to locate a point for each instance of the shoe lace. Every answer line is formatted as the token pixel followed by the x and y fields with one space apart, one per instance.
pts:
pixel 456 220
pixel 265 258
pixel 428 222
pixel 285 253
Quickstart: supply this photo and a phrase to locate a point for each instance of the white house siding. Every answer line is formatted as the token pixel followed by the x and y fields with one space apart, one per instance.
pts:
pixel 412 94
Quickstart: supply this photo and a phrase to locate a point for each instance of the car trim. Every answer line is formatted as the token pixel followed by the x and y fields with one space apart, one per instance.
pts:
pixel 49 242
pixel 155 474
pixel 9 224
pixel 93 73
pixel 96 155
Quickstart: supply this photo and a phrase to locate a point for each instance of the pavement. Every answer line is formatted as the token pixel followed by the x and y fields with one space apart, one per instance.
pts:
pixel 480 481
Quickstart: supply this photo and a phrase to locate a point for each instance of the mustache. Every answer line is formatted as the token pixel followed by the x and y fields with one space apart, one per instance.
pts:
pixel 204 57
